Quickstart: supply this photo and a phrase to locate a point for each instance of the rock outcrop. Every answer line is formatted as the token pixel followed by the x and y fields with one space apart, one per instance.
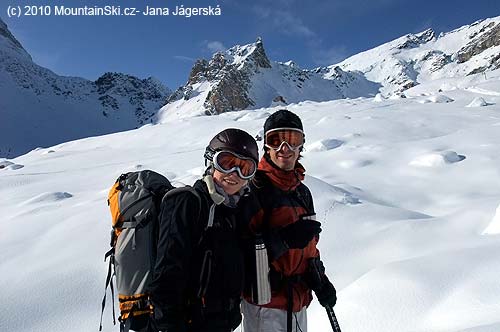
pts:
pixel 243 77
pixel 487 37
pixel 415 40
pixel 230 73
pixel 139 93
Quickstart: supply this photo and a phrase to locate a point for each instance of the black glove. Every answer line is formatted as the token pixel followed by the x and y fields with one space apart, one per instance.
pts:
pixel 327 295
pixel 298 234
pixel 317 280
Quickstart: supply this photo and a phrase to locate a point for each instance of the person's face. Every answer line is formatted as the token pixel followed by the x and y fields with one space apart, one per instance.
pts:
pixel 231 183
pixel 285 158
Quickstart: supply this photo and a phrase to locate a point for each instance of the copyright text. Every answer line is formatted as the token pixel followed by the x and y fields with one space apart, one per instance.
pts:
pixel 51 10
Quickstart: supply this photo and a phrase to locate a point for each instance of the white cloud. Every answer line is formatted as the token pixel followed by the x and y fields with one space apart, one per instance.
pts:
pixel 285 21
pixel 184 58
pixel 214 46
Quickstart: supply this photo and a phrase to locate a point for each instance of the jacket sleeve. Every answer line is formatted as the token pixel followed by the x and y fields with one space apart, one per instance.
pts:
pixel 276 247
pixel 307 198
pixel 310 207
pixel 254 214
pixel 174 251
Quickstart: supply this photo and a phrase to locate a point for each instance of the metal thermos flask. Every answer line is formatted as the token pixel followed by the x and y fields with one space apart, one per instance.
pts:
pixel 263 286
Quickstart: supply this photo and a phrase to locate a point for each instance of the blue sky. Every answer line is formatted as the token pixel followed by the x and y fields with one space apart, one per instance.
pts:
pixel 312 33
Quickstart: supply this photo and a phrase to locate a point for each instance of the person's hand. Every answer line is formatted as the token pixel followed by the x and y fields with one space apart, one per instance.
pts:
pixel 298 234
pixel 327 295
pixel 317 280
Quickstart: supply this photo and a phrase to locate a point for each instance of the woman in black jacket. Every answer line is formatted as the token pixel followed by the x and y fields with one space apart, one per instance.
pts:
pixel 198 275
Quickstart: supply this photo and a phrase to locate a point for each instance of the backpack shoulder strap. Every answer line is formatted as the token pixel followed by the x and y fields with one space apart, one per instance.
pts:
pixel 175 191
pixel 178 190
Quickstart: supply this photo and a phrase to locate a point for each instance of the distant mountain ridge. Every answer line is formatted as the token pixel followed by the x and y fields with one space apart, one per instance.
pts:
pixel 416 58
pixel 41 108
pixel 243 77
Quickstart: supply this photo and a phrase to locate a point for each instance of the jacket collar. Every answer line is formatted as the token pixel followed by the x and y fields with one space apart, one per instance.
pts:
pixel 219 196
pixel 284 180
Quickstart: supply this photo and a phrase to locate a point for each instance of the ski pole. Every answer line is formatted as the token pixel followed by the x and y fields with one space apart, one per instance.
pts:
pixel 333 319
pixel 289 310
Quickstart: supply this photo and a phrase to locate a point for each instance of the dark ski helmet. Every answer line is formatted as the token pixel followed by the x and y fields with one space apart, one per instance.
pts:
pixel 234 140
pixel 282 119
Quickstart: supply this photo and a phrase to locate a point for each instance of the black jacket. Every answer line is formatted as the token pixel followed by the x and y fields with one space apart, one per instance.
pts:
pixel 198 276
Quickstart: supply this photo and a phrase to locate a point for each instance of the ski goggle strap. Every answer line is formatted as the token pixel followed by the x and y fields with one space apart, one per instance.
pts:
pixel 228 162
pixel 275 138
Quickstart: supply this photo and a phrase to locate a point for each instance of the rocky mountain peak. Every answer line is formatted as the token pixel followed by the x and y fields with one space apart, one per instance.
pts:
pixel 426 36
pixel 253 55
pixel 12 42
pixel 229 72
pixel 415 40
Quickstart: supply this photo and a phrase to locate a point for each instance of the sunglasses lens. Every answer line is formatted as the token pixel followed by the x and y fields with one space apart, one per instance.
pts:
pixel 294 138
pixel 228 162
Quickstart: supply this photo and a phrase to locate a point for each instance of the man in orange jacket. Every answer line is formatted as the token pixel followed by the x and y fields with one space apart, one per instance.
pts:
pixel 286 219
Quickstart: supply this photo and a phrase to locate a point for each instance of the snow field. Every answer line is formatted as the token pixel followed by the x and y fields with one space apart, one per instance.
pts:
pixel 410 247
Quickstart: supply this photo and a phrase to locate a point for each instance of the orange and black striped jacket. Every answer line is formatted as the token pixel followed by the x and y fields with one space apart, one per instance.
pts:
pixel 282 198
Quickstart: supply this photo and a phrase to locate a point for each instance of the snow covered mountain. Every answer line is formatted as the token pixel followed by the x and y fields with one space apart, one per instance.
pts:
pixel 34 101
pixel 407 191
pixel 416 58
pixel 243 77
pixel 40 108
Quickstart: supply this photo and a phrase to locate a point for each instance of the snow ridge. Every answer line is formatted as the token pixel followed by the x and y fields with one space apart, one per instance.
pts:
pixel 416 58
pixel 41 108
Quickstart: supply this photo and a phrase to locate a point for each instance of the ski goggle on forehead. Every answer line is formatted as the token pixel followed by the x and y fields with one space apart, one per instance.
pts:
pixel 228 162
pixel 275 138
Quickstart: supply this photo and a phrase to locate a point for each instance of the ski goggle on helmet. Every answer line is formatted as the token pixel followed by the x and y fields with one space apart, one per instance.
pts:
pixel 227 162
pixel 275 138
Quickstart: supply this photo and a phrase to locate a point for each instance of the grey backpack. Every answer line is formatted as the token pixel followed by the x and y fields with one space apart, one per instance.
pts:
pixel 134 202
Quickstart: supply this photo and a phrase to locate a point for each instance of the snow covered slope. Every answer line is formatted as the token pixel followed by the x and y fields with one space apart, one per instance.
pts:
pixel 407 191
pixel 34 101
pixel 40 108
pixel 244 78
pixel 417 58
